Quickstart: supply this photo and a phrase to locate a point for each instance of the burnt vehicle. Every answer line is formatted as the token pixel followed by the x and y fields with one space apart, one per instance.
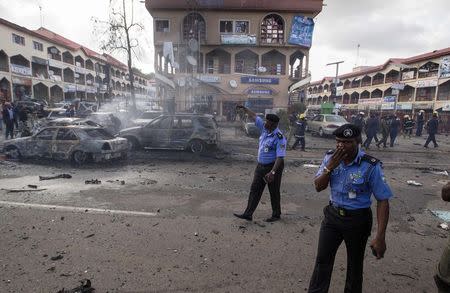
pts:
pixel 249 127
pixel 79 144
pixel 193 132
pixel 108 120
pixel 146 117
pixel 43 123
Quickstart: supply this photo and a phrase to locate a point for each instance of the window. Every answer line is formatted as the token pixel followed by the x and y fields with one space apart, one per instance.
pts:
pixel 237 26
pixel 46 134
pixel 66 134
pixel 38 46
pixel 18 39
pixel 183 123
pixel 162 26
pixel 272 29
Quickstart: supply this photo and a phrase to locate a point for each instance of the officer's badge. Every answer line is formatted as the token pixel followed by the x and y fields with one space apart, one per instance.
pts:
pixel 348 133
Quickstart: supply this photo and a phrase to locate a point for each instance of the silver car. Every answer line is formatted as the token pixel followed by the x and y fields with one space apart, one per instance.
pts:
pixel 78 144
pixel 325 124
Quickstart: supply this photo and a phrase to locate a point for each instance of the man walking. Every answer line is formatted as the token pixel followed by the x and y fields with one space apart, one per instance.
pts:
pixel 395 126
pixel 432 128
pixel 420 122
pixel 300 132
pixel 371 131
pixel 408 125
pixel 271 153
pixel 8 119
pixel 384 131
pixel 353 177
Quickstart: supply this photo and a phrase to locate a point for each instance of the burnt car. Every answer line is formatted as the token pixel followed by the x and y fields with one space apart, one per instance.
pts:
pixel 146 117
pixel 43 123
pixel 108 120
pixel 249 127
pixel 193 132
pixel 78 144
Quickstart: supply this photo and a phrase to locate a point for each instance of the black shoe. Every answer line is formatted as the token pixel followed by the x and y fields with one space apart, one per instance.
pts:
pixel 272 219
pixel 425 146
pixel 242 216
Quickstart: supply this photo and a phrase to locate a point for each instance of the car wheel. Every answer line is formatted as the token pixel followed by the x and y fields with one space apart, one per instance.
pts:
pixel 321 133
pixel 13 153
pixel 133 143
pixel 79 158
pixel 197 146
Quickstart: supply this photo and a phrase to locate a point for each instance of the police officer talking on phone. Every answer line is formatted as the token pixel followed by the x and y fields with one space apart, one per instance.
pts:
pixel 353 177
pixel 271 153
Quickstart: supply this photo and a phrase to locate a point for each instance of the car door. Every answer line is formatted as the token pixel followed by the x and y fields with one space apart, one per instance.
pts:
pixel 316 123
pixel 182 130
pixel 65 141
pixel 157 133
pixel 41 143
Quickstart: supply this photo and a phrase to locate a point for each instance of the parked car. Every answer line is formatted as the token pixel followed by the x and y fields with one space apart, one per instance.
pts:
pixel 146 117
pixel 53 113
pixel 75 143
pixel 193 132
pixel 108 120
pixel 249 126
pixel 42 123
pixel 325 124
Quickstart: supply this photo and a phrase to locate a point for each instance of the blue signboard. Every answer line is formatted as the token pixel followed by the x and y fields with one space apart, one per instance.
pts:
pixel 259 80
pixel 260 92
pixel 389 99
pixel 301 31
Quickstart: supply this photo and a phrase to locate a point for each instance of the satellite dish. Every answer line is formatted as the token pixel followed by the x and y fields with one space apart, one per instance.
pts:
pixel 191 60
pixel 262 69
pixel 233 83
pixel 193 45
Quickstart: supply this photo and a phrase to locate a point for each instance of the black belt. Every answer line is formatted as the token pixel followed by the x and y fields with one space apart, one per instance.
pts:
pixel 266 165
pixel 346 212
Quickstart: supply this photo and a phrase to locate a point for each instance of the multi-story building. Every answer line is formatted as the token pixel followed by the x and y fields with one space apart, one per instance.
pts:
pixel 407 85
pixel 44 65
pixel 222 52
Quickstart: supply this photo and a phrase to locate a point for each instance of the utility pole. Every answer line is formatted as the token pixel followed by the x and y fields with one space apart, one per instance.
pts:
pixel 335 81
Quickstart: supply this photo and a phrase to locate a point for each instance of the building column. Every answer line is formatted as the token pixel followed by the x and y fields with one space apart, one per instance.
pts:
pixel 233 62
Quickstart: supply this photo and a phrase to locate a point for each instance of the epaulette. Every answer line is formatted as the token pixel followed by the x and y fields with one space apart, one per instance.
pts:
pixel 280 136
pixel 370 159
pixel 330 152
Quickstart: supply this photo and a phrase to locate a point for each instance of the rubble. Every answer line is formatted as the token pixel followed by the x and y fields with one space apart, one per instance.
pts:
pixel 93 181
pixel 85 287
pixel 60 176
pixel 414 183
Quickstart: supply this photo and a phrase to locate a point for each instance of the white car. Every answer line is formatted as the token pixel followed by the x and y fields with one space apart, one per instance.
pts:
pixel 325 124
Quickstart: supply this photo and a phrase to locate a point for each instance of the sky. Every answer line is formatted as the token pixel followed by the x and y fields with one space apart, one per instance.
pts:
pixel 383 28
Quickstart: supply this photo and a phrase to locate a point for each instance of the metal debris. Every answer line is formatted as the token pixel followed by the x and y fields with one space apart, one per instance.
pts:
pixel 444 226
pixel 443 215
pixel 22 190
pixel 311 166
pixel 62 176
pixel 93 181
pixel 414 183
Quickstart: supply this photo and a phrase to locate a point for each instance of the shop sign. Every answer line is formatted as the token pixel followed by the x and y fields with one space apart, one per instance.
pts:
pixel 80 70
pixel 54 63
pixel 389 99
pixel 21 80
pixel 395 91
pixel 398 86
pixel 388 106
pixel 427 83
pixel 260 92
pixel 301 31
pixel 407 75
pixel 312 96
pixel 81 88
pixel 259 80
pixel 423 106
pixel 19 69
pixel 91 90
pixel 444 68
pixel 404 106
pixel 209 78
pixel 230 39
pixel 69 88
pixel 370 101
pixel 55 78
pixel 339 90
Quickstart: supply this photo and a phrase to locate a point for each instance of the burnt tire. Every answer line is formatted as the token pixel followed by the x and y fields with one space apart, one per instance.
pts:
pixel 197 146
pixel 13 153
pixel 79 158
pixel 133 143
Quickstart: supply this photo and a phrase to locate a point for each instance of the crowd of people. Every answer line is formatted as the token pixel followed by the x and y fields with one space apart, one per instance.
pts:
pixel 13 118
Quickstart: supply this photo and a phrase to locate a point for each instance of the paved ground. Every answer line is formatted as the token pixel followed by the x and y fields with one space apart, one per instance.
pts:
pixel 170 226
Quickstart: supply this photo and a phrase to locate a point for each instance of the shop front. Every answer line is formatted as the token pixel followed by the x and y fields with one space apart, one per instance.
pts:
pixel 21 88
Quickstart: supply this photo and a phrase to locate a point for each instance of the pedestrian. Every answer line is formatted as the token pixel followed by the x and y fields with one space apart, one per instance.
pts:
pixel 300 132
pixel 1 117
pixel 22 117
pixel 384 125
pixel 394 128
pixel 371 130
pixel 292 127
pixel 271 153
pixel 408 125
pixel 8 120
pixel 353 177
pixel 432 128
pixel 442 277
pixel 359 121
pixel 420 122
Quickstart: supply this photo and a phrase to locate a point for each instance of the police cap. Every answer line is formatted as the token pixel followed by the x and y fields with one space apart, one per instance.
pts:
pixel 272 118
pixel 347 131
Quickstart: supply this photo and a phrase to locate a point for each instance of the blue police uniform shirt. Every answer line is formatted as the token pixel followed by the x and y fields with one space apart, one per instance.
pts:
pixel 271 146
pixel 352 185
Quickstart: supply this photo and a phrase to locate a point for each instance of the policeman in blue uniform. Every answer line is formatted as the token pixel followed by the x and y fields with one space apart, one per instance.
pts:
pixel 353 177
pixel 271 153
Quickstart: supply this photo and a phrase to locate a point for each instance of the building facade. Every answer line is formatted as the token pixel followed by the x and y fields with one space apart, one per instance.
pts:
pixel 407 85
pixel 219 53
pixel 44 65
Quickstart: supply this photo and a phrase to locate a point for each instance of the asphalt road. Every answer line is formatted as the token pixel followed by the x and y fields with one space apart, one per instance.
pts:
pixel 162 222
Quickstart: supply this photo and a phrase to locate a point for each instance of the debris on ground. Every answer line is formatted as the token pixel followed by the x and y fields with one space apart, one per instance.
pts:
pixel 60 176
pixel 444 226
pixel 90 235
pixel 148 182
pixel 120 182
pixel 85 287
pixel 443 215
pixel 57 257
pixel 32 186
pixel 414 183
pixel 434 171
pixel 22 190
pixel 310 166
pixel 93 181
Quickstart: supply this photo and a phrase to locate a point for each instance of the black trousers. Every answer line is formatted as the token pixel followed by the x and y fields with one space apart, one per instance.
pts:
pixel 431 138
pixel 384 137
pixel 393 135
pixel 354 230
pixel 258 186
pixel 9 130
pixel 301 140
